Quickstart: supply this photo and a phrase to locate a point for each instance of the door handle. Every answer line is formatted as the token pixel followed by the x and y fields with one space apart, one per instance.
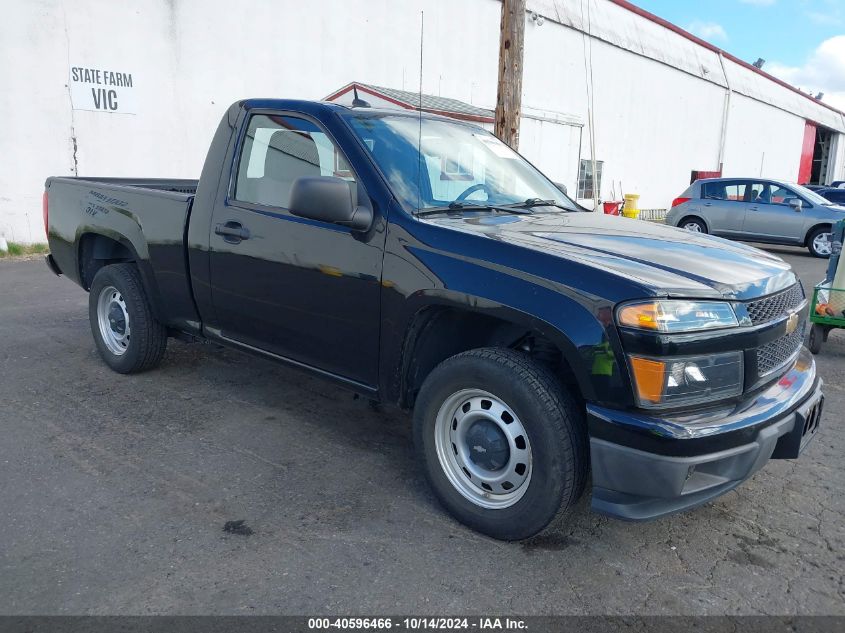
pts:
pixel 753 208
pixel 708 204
pixel 232 232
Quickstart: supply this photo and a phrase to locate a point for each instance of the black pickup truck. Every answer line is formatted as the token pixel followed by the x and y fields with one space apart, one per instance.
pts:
pixel 419 261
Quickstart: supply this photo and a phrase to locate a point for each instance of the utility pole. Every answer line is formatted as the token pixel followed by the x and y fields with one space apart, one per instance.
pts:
pixel 509 95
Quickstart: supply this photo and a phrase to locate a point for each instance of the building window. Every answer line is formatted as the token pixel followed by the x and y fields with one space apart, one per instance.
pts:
pixel 457 167
pixel 586 180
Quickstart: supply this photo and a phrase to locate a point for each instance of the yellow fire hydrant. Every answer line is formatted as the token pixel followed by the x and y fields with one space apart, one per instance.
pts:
pixel 631 210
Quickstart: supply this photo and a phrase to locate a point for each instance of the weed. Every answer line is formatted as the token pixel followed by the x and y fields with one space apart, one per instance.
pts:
pixel 22 250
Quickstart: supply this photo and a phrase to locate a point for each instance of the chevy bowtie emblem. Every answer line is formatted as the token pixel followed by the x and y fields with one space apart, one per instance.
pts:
pixel 792 323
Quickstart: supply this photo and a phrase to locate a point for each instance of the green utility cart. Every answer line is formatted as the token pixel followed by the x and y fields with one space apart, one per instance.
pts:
pixel 823 323
pixel 827 311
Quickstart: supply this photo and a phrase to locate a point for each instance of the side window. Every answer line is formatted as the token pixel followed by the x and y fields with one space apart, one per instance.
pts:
pixel 759 193
pixel 782 195
pixel 279 149
pixel 721 190
pixel 714 191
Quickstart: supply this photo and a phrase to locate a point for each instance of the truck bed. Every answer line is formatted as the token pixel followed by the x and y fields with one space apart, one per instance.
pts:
pixel 147 216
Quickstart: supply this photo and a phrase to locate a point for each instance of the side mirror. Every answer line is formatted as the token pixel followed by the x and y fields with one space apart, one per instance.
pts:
pixel 329 199
pixel 796 204
pixel 562 187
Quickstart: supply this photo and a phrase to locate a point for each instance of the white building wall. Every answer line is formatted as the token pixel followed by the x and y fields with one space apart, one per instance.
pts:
pixel 659 101
pixel 658 97
pixel 762 141
pixel 654 123
pixel 552 145
pixel 190 59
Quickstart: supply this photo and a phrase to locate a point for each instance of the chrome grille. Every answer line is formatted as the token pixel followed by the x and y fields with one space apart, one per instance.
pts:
pixel 773 355
pixel 775 306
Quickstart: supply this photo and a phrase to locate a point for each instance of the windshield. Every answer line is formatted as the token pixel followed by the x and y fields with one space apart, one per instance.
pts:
pixel 462 164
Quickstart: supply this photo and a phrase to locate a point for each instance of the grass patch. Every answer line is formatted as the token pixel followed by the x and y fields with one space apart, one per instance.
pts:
pixel 24 250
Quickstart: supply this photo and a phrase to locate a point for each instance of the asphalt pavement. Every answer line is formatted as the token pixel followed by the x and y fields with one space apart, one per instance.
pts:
pixel 114 492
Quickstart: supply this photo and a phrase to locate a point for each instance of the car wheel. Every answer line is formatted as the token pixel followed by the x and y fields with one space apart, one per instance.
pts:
pixel 820 242
pixel 502 443
pixel 694 225
pixel 127 335
pixel 817 337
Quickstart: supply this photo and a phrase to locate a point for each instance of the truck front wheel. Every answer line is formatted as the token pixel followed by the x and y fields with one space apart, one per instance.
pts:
pixel 127 335
pixel 503 444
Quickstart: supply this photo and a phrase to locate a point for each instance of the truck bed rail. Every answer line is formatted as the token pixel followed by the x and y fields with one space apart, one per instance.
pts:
pixel 175 185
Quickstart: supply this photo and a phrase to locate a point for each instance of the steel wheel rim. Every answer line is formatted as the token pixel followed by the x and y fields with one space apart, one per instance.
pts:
pixel 460 417
pixel 822 244
pixel 694 227
pixel 113 320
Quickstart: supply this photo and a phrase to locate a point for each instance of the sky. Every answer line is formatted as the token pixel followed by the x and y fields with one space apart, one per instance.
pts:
pixel 802 41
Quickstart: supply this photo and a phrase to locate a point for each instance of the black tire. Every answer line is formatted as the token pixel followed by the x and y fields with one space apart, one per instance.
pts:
pixel 692 220
pixel 551 418
pixel 817 336
pixel 147 338
pixel 811 241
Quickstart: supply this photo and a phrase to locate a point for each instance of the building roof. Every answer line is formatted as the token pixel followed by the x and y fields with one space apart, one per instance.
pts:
pixel 412 100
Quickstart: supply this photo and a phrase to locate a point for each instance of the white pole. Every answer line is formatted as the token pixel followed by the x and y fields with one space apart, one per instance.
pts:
pixel 726 113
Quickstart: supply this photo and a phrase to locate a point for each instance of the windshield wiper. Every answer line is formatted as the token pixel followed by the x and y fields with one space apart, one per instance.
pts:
pixel 538 202
pixel 463 206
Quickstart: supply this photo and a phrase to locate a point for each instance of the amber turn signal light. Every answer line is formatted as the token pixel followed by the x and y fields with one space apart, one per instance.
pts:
pixel 649 378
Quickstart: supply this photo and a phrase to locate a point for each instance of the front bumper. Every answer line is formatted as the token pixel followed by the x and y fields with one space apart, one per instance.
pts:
pixel 645 467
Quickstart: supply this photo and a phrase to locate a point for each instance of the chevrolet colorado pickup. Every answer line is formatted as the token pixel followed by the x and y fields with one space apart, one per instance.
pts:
pixel 419 261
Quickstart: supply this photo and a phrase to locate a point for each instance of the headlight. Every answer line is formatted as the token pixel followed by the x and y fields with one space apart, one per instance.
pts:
pixel 675 381
pixel 677 316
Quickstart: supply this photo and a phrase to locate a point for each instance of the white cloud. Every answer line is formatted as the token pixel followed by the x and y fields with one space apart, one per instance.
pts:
pixel 827 13
pixel 817 17
pixel 759 3
pixel 824 71
pixel 707 30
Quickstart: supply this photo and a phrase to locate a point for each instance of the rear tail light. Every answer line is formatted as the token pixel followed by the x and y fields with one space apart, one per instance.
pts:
pixel 678 201
pixel 46 211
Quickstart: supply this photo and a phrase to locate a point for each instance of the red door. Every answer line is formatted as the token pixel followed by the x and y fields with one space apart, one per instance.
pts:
pixel 805 169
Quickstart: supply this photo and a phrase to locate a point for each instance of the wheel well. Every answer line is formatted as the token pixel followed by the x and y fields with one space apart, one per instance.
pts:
pixel 822 225
pixel 693 217
pixel 439 333
pixel 96 251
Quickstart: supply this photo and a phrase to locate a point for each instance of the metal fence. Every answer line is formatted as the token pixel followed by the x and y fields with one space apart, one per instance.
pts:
pixel 653 215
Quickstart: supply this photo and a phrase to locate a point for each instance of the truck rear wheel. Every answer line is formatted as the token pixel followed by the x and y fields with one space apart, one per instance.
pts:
pixel 127 335
pixel 503 445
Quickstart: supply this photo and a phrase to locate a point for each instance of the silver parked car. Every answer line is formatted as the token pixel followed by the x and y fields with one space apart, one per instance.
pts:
pixel 757 210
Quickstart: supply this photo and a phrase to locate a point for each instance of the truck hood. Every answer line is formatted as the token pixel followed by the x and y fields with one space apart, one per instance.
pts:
pixel 667 260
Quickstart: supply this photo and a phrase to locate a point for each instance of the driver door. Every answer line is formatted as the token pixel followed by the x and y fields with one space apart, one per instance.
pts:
pixel 772 218
pixel 301 289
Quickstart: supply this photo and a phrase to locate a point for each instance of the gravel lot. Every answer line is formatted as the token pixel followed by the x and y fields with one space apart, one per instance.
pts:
pixel 115 491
